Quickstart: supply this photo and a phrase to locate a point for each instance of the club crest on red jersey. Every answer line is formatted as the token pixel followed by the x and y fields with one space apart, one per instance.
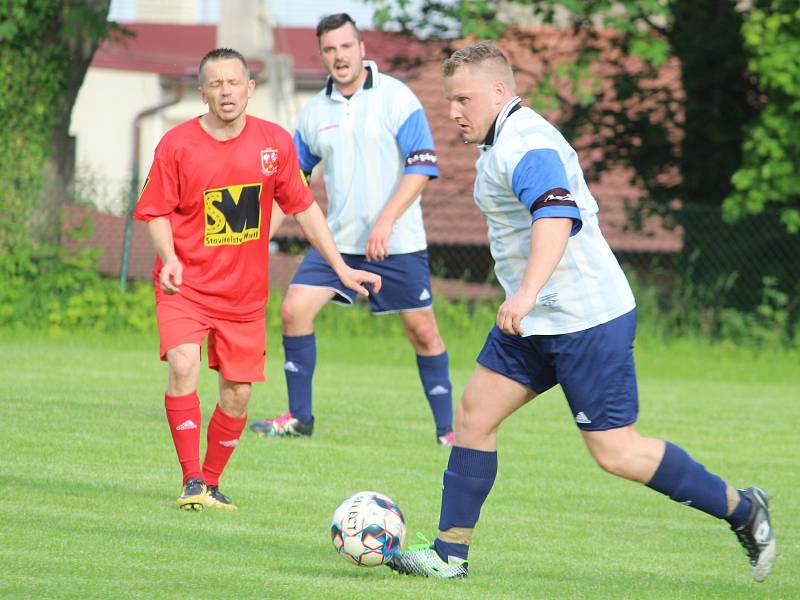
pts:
pixel 269 161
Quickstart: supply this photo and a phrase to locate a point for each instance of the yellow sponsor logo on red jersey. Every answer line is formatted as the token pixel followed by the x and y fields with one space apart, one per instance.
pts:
pixel 233 214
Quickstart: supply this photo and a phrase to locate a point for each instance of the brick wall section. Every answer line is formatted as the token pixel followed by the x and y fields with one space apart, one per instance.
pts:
pixel 108 235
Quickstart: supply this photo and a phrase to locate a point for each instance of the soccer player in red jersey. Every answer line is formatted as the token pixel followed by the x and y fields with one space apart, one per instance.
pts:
pixel 208 204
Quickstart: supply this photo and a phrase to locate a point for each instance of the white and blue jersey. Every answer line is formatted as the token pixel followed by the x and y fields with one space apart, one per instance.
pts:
pixel 527 171
pixel 367 143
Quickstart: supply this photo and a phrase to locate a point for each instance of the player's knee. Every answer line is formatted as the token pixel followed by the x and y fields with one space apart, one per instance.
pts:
pixel 471 420
pixel 236 400
pixel 426 338
pixel 183 367
pixel 241 393
pixel 291 313
pixel 613 460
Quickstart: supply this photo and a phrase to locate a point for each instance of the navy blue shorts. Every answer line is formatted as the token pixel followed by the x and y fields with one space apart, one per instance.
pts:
pixel 594 367
pixel 405 280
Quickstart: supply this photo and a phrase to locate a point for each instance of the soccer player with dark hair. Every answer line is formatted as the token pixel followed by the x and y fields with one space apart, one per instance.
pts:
pixel 207 202
pixel 370 133
pixel 569 318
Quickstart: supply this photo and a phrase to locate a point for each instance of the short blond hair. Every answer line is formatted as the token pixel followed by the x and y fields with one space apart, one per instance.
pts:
pixel 480 55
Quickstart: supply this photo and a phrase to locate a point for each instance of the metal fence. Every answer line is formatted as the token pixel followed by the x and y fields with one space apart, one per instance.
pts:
pixel 753 265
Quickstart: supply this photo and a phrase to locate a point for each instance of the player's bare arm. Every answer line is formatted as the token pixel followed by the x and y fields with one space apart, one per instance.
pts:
pixel 408 190
pixel 171 275
pixel 276 219
pixel 315 228
pixel 549 237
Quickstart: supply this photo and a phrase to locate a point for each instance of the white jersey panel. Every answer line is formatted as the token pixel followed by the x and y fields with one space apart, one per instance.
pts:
pixel 362 161
pixel 588 287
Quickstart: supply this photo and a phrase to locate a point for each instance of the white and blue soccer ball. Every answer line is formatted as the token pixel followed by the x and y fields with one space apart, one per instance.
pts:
pixel 368 529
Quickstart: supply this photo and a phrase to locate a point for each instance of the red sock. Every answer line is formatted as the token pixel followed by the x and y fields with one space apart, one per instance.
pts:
pixel 184 418
pixel 224 432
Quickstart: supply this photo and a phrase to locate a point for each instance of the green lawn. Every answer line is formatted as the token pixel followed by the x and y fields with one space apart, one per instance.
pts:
pixel 89 478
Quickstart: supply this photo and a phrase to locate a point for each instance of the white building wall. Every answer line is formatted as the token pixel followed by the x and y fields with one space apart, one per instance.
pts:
pixel 307 13
pixel 102 123
pixel 286 13
pixel 187 12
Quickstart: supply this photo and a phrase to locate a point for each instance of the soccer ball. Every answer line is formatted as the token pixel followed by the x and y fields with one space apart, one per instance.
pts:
pixel 368 529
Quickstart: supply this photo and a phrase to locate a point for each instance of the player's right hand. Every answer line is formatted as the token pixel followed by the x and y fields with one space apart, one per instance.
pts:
pixel 171 277
pixel 355 280
pixel 513 310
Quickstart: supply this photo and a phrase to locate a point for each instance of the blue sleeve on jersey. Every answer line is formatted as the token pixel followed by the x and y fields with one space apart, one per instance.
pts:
pixel 308 160
pixel 416 143
pixel 540 183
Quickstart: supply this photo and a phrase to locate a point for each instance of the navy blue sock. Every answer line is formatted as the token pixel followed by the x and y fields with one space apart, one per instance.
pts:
pixel 467 482
pixel 740 514
pixel 686 481
pixel 301 359
pixel 434 372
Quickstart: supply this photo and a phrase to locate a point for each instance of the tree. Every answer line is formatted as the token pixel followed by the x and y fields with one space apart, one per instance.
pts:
pixel 45 49
pixel 771 151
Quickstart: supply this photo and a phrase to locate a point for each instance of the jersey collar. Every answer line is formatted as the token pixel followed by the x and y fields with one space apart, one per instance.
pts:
pixel 511 106
pixel 370 82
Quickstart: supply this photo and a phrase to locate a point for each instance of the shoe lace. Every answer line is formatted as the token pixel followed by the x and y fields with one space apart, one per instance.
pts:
pixel 213 490
pixel 747 540
pixel 281 420
pixel 425 545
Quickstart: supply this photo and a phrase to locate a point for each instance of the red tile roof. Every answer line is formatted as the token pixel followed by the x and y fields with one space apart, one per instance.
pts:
pixel 166 49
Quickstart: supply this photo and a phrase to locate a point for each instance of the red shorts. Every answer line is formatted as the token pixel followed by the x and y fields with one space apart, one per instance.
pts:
pixel 237 349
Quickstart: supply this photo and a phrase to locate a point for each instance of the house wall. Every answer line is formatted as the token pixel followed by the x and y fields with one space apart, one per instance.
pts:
pixel 158 11
pixel 102 122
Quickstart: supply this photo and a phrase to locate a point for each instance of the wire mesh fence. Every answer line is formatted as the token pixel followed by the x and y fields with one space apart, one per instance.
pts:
pixel 718 269
pixel 714 278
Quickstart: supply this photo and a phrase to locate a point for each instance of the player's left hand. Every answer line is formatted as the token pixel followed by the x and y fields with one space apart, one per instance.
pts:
pixel 378 240
pixel 355 280
pixel 512 311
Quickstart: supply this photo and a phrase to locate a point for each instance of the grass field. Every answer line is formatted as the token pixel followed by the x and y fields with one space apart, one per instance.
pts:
pixel 89 478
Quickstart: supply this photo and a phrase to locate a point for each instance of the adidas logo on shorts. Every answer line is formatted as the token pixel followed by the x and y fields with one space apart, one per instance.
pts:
pixel 425 295
pixel 582 418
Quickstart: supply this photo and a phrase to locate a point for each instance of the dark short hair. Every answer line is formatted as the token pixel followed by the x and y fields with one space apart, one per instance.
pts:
pixel 332 22
pixel 221 54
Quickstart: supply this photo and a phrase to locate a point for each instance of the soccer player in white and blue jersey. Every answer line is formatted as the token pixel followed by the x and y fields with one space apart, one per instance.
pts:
pixel 568 318
pixel 370 133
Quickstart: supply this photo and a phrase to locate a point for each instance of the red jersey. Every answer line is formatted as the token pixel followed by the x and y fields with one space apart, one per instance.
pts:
pixel 218 198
